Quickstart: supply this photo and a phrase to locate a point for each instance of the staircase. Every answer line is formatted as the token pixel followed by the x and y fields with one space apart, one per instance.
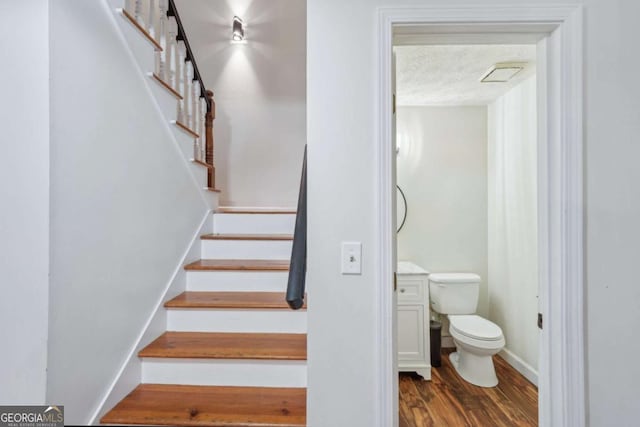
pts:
pixel 234 353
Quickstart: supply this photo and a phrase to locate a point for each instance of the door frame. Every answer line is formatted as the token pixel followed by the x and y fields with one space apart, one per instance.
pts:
pixel 562 394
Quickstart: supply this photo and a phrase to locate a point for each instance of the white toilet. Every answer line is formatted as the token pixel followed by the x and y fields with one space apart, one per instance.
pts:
pixel 476 338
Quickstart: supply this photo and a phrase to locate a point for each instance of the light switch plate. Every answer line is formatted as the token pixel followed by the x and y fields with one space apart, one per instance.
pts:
pixel 351 258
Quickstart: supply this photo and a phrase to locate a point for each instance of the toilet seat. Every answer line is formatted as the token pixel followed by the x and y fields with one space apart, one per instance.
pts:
pixel 475 330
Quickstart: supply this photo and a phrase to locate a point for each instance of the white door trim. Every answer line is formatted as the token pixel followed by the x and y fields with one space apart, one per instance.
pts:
pixel 562 361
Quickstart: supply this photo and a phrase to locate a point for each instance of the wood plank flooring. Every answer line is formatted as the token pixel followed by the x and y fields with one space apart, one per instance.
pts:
pixel 448 400
pixel 183 405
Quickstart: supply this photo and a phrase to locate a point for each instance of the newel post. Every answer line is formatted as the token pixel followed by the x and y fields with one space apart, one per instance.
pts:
pixel 211 114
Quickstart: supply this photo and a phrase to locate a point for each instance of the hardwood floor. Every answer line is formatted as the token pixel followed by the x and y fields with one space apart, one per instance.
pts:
pixel 449 401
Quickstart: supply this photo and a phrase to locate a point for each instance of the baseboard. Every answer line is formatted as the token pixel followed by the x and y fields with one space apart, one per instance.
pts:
pixel 130 373
pixel 520 365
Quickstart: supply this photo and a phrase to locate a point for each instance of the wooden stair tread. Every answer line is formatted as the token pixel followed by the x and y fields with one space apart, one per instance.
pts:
pixel 247 237
pixel 238 265
pixel 237 300
pixel 249 211
pixel 218 345
pixel 160 404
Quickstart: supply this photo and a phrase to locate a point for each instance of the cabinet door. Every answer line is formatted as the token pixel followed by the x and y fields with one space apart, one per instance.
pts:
pixel 411 289
pixel 411 332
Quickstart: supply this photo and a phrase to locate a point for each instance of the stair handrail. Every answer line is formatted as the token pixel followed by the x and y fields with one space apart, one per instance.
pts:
pixel 298 265
pixel 182 35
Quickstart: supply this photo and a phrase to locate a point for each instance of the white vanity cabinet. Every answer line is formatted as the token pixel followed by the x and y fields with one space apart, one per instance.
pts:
pixel 414 354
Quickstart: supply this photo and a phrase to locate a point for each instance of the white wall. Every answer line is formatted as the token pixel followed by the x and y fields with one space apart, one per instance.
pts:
pixel 24 200
pixel 260 94
pixel 341 132
pixel 513 222
pixel 124 206
pixel 442 169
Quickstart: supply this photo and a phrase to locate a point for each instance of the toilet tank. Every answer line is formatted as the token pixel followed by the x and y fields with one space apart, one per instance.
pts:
pixel 454 293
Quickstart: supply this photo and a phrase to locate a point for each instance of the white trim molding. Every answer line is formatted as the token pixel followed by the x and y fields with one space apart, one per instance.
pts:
pixel 562 358
pixel 519 365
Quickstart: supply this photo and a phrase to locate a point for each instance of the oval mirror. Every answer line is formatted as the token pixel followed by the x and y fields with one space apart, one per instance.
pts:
pixel 401 205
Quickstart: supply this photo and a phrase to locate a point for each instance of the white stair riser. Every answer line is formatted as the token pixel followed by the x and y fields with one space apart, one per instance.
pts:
pixel 231 320
pixel 230 223
pixel 255 373
pixel 237 281
pixel 246 249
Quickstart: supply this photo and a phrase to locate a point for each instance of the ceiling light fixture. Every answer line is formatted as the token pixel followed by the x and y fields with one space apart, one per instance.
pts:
pixel 502 72
pixel 238 31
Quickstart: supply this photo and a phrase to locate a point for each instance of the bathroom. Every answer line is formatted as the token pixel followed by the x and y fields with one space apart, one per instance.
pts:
pixel 467 147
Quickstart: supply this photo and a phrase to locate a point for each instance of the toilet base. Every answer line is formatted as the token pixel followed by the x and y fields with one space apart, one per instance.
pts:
pixel 475 369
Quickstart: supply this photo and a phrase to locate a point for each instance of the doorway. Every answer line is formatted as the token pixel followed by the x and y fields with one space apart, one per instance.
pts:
pixel 466 164
pixel 561 372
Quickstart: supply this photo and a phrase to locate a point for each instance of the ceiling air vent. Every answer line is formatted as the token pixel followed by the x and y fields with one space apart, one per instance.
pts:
pixel 502 72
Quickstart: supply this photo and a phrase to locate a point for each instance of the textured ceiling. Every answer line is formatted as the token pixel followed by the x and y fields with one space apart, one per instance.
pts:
pixel 450 75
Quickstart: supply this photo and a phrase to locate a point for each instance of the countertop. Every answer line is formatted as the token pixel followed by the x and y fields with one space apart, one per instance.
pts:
pixel 407 267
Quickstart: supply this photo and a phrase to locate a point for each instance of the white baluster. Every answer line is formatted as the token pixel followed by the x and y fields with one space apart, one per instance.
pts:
pixel 198 128
pixel 203 128
pixel 152 16
pixel 188 81
pixel 161 64
pixel 180 80
pixel 129 6
pixel 171 54
pixel 157 64
pixel 195 93
pixel 139 11
pixel 196 149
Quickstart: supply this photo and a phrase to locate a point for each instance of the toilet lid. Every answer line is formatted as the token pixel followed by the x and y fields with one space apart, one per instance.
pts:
pixel 476 327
